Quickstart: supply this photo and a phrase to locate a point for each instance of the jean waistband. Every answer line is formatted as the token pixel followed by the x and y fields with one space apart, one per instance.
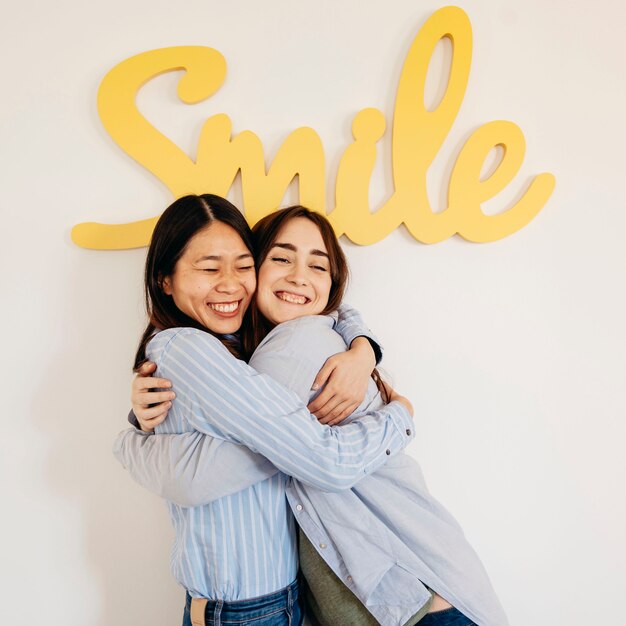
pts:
pixel 277 599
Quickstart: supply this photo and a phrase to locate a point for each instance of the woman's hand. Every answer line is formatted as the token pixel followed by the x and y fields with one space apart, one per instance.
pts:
pixel 346 376
pixel 150 407
pixel 394 396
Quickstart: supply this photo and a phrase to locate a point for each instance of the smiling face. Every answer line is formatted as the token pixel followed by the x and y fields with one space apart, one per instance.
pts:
pixel 214 279
pixel 295 277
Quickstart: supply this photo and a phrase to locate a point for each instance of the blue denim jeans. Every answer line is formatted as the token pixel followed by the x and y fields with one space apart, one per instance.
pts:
pixel 282 608
pixel 447 617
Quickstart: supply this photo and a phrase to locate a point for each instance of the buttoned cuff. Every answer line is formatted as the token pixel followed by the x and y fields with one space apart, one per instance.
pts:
pixel 403 422
pixel 401 434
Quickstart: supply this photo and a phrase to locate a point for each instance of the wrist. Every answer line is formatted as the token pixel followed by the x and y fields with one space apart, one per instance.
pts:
pixel 363 347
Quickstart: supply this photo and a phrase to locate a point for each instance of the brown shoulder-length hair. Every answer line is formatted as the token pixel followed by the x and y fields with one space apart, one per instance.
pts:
pixel 180 222
pixel 265 233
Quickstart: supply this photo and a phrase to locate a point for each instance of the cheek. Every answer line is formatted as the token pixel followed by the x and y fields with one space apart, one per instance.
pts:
pixel 322 291
pixel 251 285
pixel 265 291
pixel 264 295
pixel 325 290
pixel 265 280
pixel 264 274
pixel 199 289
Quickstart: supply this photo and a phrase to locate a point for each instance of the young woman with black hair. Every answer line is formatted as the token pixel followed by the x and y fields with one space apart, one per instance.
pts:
pixel 237 555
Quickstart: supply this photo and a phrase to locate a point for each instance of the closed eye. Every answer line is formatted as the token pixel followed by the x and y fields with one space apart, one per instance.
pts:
pixel 280 259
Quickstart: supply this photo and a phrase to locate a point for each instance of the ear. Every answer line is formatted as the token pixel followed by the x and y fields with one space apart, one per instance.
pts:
pixel 166 286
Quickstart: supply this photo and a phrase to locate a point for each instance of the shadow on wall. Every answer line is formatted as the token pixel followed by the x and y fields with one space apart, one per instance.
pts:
pixel 81 406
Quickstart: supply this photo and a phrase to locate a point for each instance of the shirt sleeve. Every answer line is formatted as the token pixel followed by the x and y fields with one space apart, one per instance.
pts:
pixel 182 468
pixel 350 325
pixel 224 397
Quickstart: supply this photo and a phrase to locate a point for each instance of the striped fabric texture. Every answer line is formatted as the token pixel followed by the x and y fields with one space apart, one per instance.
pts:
pixel 386 537
pixel 243 545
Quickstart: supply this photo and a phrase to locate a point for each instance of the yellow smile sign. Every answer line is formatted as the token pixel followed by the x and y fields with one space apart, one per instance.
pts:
pixel 417 136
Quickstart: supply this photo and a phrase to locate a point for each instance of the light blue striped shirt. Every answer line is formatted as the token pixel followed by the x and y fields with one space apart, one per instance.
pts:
pixel 386 537
pixel 243 544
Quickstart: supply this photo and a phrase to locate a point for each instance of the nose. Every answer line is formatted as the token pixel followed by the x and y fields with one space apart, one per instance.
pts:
pixel 229 283
pixel 297 276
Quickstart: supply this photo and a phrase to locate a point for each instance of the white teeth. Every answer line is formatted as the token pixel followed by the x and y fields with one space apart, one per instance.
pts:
pixel 288 297
pixel 225 308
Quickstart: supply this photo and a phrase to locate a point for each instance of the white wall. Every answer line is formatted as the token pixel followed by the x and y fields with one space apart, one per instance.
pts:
pixel 511 351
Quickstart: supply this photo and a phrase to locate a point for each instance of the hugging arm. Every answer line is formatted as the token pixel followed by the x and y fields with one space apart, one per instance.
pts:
pixel 227 399
pixel 182 467
pixel 191 468
pixel 346 374
pixel 350 325
pixel 344 377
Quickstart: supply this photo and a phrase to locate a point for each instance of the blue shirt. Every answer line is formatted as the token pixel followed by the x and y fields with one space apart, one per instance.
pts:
pixel 385 537
pixel 243 544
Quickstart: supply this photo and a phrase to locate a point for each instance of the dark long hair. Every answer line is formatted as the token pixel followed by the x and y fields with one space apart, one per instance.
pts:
pixel 183 219
pixel 264 234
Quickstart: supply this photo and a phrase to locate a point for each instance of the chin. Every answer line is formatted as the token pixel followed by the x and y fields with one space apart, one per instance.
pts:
pixel 231 328
pixel 224 327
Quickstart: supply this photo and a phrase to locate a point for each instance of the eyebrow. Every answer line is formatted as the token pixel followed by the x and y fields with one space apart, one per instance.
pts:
pixel 214 257
pixel 290 246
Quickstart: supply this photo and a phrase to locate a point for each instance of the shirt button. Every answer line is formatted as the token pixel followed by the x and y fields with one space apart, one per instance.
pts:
pixel 387 452
pixel 323 546
pixel 408 432
pixel 349 579
pixel 299 507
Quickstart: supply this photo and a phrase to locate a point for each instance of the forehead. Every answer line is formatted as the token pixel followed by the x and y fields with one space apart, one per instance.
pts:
pixel 302 233
pixel 216 239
